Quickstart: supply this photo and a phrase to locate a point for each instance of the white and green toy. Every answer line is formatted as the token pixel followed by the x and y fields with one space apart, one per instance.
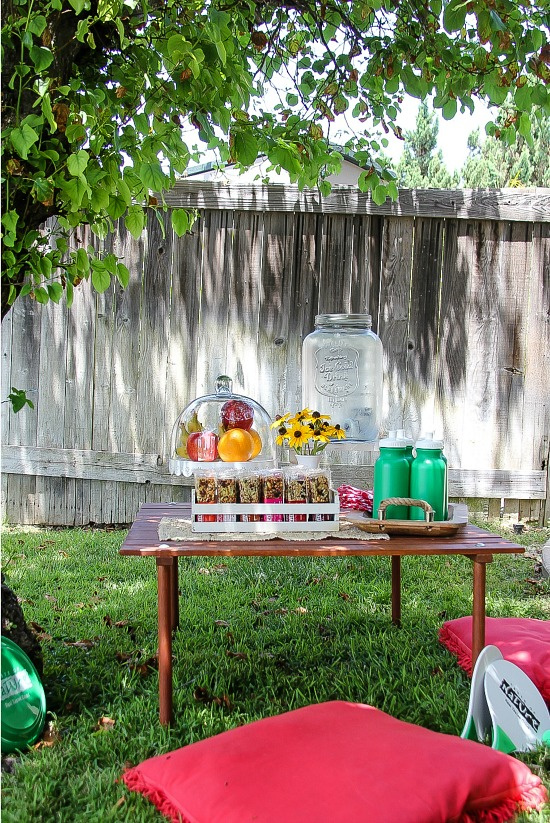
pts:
pixel 505 705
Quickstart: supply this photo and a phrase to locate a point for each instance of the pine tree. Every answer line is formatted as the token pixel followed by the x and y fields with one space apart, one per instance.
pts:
pixel 422 164
pixel 494 163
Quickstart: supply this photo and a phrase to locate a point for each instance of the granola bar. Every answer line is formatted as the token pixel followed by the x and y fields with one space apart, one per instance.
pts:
pixel 227 493
pixel 295 492
pixel 205 492
pixel 250 490
pixel 319 492
pixel 273 489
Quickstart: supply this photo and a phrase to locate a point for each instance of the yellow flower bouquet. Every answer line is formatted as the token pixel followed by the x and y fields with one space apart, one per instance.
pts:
pixel 306 432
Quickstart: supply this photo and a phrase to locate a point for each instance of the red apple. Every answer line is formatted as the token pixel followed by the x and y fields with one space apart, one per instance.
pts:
pixel 202 446
pixel 237 414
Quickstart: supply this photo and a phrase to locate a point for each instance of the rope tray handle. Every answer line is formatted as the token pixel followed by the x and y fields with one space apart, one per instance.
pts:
pixel 405 501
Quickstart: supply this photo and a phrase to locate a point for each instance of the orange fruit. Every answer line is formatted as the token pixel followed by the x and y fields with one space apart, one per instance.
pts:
pixel 257 442
pixel 236 446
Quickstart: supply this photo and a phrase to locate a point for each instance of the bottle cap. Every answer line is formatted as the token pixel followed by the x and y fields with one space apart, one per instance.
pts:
pixel 427 442
pixel 402 436
pixel 392 441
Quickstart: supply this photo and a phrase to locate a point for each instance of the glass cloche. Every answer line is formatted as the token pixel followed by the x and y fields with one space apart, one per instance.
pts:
pixel 221 429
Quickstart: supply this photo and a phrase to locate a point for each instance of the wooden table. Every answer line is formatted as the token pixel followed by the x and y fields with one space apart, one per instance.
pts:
pixel 142 540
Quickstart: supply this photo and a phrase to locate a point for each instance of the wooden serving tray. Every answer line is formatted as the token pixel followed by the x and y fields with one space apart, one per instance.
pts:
pixel 429 528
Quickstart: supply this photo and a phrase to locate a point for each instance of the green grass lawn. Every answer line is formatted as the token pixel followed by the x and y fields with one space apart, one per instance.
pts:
pixel 258 636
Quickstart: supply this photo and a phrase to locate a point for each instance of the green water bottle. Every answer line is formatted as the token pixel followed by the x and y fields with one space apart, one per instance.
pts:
pixel 429 477
pixel 391 476
pixel 409 443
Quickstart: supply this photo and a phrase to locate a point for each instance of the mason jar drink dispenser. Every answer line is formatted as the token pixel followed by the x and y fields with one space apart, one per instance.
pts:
pixel 342 373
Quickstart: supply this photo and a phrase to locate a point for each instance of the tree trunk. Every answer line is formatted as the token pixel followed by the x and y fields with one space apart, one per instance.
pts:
pixel 16 629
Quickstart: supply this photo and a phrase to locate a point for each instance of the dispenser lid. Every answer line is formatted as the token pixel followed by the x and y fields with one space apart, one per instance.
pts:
pixel 359 321
pixel 427 441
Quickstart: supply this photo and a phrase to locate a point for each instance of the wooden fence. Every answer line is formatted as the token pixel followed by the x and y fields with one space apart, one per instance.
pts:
pixel 457 282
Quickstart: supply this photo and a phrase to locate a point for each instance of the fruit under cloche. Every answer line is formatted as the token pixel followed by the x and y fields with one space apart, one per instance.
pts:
pixel 221 428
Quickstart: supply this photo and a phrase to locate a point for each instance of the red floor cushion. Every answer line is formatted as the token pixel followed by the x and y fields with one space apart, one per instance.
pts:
pixel 521 640
pixel 336 762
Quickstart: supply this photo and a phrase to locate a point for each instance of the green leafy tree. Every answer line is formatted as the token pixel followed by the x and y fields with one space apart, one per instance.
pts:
pixel 421 164
pixel 98 97
pixel 492 163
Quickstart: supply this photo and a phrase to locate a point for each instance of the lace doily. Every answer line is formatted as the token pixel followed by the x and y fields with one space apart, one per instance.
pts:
pixel 177 528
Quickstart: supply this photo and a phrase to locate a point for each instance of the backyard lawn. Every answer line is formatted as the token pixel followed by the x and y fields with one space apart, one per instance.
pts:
pixel 257 637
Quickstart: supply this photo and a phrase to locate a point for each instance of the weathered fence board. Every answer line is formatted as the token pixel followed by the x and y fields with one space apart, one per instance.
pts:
pixel 458 285
pixel 530 205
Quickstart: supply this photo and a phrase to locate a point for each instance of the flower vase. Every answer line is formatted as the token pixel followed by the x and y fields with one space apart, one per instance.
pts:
pixel 309 461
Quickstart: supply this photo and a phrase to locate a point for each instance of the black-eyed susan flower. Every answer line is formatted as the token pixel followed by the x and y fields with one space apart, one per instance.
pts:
pixel 306 432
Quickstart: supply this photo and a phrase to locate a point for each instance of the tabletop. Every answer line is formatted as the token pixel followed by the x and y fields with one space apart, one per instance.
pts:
pixel 142 540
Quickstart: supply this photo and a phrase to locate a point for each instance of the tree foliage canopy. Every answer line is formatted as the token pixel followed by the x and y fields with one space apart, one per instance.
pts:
pixel 104 102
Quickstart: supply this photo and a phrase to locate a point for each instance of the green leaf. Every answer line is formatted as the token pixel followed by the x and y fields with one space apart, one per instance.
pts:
pixel 414 85
pixel 55 291
pixel 152 176
pixel 245 147
pixel 101 279
pixel 18 399
pixel 124 191
pixel 9 221
pixel 222 54
pixel 497 94
pixel 79 5
pixel 454 15
pixel 484 29
pixel 75 133
pixel 46 106
pixel 36 25
pixel 180 221
pixel 141 122
pixel 82 261
pixel 449 109
pixel 496 22
pixel 41 57
pixel 45 265
pixel 108 9
pixel 22 138
pixel 74 189
pixel 41 295
pixel 99 199
pixel 116 207
pixel 523 97
pixel 524 127
pixel 77 162
pixel 122 275
pixel 177 47
pixel 135 221
pixel 379 195
pixel 393 191
pixel 392 84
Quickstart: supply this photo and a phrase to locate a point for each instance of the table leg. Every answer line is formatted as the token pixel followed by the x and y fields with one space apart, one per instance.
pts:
pixel 478 606
pixel 175 607
pixel 396 589
pixel 165 576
